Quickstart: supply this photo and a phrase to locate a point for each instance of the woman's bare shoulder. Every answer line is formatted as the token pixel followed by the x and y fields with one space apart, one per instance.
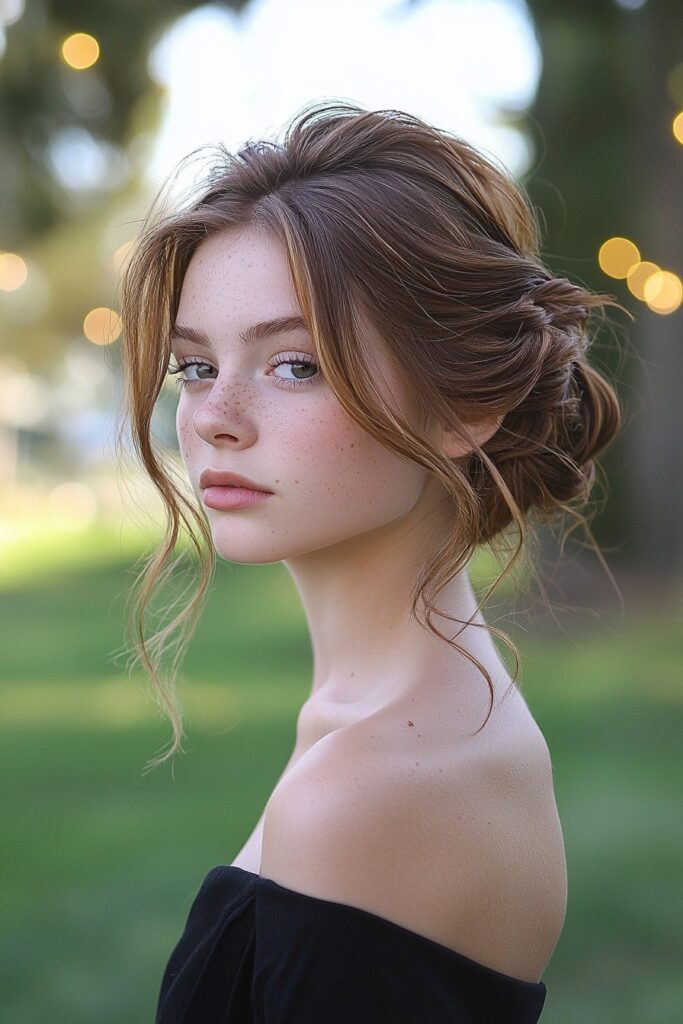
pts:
pixel 462 845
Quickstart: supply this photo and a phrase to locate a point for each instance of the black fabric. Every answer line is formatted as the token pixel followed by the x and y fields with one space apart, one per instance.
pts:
pixel 254 952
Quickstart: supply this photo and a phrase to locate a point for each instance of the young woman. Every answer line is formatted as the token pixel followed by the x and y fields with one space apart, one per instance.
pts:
pixel 378 375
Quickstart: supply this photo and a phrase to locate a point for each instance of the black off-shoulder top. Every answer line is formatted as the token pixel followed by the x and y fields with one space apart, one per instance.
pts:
pixel 255 952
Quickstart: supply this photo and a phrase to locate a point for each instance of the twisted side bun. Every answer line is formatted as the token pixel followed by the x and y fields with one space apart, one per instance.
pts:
pixel 546 446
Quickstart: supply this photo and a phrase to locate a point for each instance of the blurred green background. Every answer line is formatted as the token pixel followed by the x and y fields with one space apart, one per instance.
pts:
pixel 100 862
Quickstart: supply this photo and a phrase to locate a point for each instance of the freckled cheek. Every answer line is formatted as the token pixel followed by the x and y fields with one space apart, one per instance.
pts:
pixel 333 459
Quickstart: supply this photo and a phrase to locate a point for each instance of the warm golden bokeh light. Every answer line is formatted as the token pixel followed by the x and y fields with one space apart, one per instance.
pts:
pixel 102 325
pixel 663 292
pixel 637 277
pixel 121 255
pixel 660 289
pixel 617 256
pixel 80 50
pixel 13 271
pixel 678 127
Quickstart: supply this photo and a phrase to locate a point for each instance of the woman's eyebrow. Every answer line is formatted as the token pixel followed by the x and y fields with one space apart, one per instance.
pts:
pixel 263 329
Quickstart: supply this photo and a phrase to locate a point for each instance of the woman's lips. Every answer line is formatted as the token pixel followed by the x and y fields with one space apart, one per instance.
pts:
pixel 230 498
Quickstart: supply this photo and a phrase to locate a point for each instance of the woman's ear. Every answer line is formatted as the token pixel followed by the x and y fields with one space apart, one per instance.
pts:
pixel 455 447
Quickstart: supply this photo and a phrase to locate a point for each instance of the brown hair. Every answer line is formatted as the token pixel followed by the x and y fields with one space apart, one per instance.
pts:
pixel 381 211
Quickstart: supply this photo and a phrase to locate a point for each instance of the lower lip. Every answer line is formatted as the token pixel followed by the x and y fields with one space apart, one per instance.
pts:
pixel 233 497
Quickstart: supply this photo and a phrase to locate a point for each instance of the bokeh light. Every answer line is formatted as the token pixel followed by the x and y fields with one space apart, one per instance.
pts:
pixel 678 127
pixel 121 255
pixel 102 325
pixel 663 292
pixel 617 256
pixel 80 50
pixel 11 11
pixel 638 275
pixel 13 271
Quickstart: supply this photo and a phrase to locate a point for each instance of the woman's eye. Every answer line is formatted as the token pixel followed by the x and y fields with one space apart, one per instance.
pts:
pixel 183 366
pixel 298 365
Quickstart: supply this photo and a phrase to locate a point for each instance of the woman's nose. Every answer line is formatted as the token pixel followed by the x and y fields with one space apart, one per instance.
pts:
pixel 224 414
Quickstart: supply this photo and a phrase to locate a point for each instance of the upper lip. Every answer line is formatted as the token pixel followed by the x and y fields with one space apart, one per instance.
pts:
pixel 213 477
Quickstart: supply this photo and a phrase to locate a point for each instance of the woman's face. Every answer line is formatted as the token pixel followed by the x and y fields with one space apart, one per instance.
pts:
pixel 279 425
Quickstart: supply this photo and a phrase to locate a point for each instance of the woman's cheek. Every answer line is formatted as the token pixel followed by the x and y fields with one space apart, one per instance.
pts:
pixel 349 471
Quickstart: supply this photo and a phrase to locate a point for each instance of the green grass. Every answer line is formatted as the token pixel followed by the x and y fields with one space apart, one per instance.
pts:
pixel 100 862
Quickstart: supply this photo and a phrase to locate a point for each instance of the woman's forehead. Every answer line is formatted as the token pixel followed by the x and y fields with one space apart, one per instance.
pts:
pixel 234 280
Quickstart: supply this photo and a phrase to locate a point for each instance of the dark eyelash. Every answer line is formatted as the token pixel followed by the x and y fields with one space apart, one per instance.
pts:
pixel 183 364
